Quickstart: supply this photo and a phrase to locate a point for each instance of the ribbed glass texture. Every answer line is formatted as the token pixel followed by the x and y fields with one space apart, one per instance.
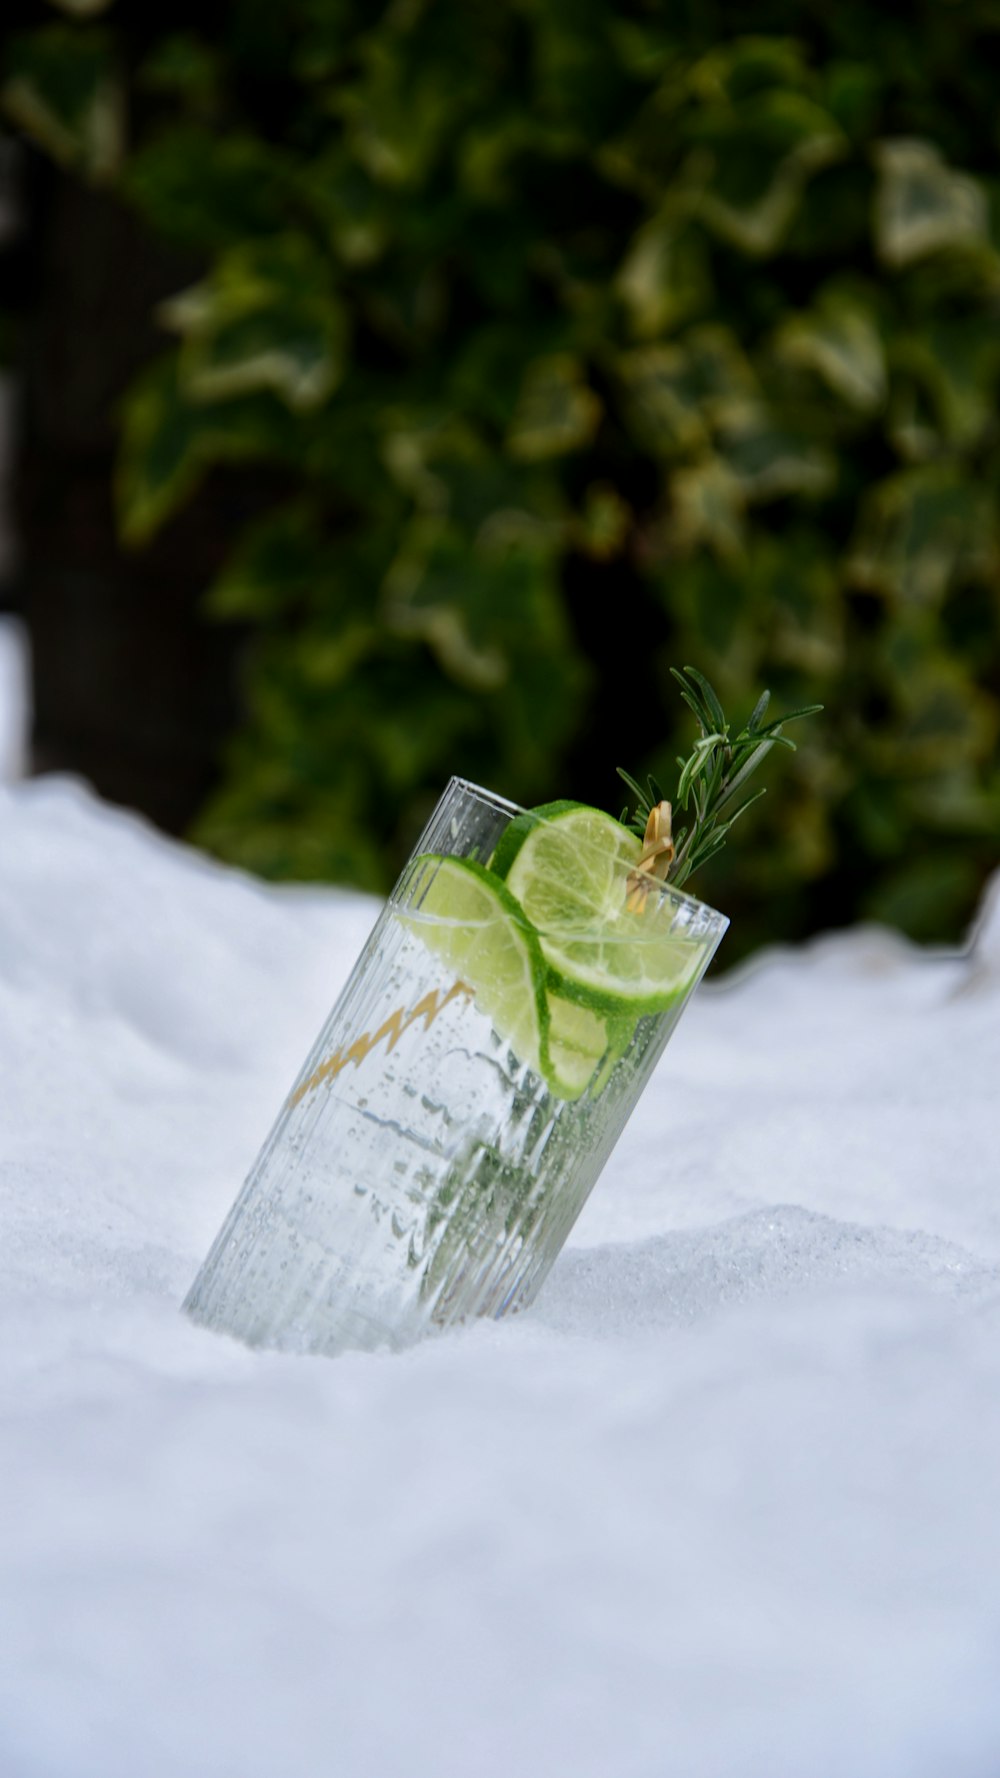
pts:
pixel 419 1171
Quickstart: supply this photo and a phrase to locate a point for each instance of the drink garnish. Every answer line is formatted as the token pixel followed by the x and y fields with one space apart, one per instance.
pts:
pixel 712 778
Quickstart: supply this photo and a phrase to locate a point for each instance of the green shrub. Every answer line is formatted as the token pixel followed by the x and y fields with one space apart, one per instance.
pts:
pixel 594 339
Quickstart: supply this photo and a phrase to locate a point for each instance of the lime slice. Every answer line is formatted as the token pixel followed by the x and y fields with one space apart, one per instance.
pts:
pixel 468 918
pixel 577 1044
pixel 569 872
pixel 514 835
pixel 584 1046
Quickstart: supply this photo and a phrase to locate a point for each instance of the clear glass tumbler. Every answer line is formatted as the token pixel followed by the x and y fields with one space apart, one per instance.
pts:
pixel 421 1171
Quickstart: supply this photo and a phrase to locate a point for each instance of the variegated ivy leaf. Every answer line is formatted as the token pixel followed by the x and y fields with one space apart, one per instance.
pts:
pixel 479 602
pixel 937 716
pixel 748 186
pixel 169 442
pixel 920 531
pixel 675 394
pixel 922 205
pixel 556 410
pixel 769 459
pixel 62 89
pixel 838 339
pixel 264 318
pixel 417 450
pixel 956 362
pixel 427 594
pixel 604 523
pixel 708 507
pixel 665 278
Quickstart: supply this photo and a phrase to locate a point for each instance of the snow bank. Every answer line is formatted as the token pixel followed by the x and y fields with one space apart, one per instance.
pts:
pixel 723 1504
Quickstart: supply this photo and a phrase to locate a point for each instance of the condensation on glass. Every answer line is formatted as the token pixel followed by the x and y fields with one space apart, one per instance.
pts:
pixel 419 1172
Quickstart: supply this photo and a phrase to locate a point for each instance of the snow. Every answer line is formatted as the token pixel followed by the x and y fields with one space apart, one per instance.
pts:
pixel 724 1503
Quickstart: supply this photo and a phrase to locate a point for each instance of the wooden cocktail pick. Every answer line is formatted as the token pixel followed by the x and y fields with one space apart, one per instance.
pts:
pixel 655 859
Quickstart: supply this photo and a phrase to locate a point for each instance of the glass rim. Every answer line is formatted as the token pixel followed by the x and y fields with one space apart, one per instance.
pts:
pixel 699 912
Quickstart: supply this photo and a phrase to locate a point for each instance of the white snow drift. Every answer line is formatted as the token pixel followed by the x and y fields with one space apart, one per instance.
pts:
pixel 724 1505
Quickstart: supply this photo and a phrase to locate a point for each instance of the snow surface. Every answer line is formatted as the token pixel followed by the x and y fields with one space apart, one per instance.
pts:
pixel 724 1505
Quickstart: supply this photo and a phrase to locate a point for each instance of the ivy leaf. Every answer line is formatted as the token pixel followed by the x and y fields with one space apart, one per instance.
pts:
pixel 556 410
pixel 840 342
pixel 665 278
pixel 265 318
pixel 62 88
pixel 922 205
pixel 921 531
pixel 757 167
pixel 169 442
pixel 208 191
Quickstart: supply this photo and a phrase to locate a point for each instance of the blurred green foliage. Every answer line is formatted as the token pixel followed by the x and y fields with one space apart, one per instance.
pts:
pixel 589 338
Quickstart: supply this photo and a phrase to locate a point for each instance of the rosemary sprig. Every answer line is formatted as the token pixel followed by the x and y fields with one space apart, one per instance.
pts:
pixel 712 778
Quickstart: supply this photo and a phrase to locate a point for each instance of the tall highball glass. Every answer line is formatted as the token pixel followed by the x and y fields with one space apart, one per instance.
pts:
pixel 421 1171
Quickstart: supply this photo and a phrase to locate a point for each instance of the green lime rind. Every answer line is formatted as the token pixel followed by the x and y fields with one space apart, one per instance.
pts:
pixel 618 979
pixel 620 1035
pixel 570 874
pixel 578 1042
pixel 585 1045
pixel 628 1006
pixel 514 835
pixel 570 867
pixel 468 917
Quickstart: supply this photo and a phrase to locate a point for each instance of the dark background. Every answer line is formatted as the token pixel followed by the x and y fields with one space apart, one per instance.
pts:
pixel 403 390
